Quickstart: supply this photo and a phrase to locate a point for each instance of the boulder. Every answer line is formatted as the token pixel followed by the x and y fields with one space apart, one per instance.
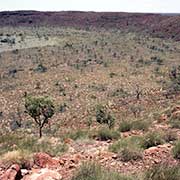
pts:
pixel 44 174
pixel 45 160
pixel 13 173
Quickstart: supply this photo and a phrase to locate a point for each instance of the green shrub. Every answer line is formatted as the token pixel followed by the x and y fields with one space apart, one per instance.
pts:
pixel 40 68
pixel 175 122
pixel 163 172
pixel 91 171
pixel 48 147
pixel 128 148
pixel 78 134
pixel 140 125
pixel 125 126
pixel 128 154
pixel 170 136
pixel 152 139
pixel 136 125
pixel 16 142
pixel 176 150
pixel 105 134
pixel 104 117
pixel 174 84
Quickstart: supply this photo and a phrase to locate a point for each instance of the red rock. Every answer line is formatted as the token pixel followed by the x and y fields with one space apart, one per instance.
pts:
pixel 13 173
pixel 44 160
pixel 68 141
pixel 44 174
pixel 151 150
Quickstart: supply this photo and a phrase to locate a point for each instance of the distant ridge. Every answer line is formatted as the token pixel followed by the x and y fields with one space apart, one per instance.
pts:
pixel 158 25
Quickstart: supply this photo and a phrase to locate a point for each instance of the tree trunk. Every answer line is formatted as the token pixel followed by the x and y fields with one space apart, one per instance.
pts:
pixel 40 132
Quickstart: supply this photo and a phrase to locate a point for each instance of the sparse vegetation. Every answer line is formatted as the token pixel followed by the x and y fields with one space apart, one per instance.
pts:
pixel 105 134
pixel 31 144
pixel 152 139
pixel 110 87
pixel 127 148
pixel 20 157
pixel 176 150
pixel 170 136
pixel 129 125
pixel 125 126
pixel 163 172
pixel 174 75
pixel 141 124
pixel 78 134
pixel 90 171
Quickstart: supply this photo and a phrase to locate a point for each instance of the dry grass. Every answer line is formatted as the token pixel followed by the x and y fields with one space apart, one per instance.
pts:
pixel 80 69
pixel 20 157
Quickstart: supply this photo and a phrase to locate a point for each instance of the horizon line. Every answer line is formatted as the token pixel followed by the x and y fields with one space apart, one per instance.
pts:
pixel 137 12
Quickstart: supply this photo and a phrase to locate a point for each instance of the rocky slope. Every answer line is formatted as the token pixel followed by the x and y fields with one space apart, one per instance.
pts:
pixel 160 25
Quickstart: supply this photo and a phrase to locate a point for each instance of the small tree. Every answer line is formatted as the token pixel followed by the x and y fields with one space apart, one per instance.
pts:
pixel 104 117
pixel 40 109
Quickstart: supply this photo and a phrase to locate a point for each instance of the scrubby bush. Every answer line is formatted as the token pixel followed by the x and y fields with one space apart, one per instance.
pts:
pixel 174 74
pixel 104 117
pixel 17 142
pixel 77 134
pixel 140 125
pixel 128 154
pixel 163 172
pixel 135 125
pixel 170 136
pixel 21 157
pixel 125 126
pixel 128 148
pixel 176 150
pixel 40 68
pixel 105 134
pixel 40 109
pixel 91 171
pixel 152 139
pixel 175 121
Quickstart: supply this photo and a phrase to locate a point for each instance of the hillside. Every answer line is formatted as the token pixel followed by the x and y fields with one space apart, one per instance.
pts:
pixel 165 26
pixel 95 99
